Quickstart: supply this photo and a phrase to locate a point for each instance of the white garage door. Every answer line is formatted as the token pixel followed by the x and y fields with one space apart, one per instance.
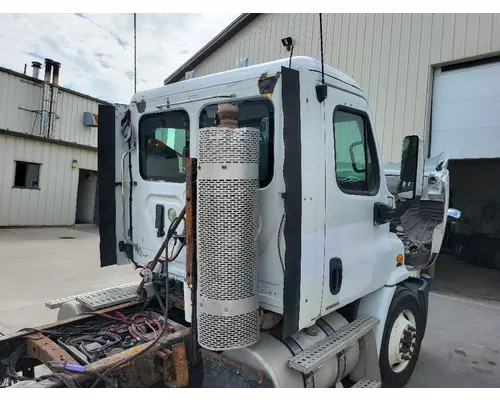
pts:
pixel 466 112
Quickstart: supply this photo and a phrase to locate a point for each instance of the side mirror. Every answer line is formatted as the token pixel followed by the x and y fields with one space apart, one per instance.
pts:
pixel 412 168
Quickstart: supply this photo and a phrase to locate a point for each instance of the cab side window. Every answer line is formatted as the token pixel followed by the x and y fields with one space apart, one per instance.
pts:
pixel 356 163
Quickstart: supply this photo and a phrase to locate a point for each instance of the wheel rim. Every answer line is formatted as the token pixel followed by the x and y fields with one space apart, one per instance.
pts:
pixel 403 341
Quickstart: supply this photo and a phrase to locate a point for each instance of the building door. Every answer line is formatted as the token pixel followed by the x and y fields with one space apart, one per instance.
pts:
pixel 86 195
pixel 466 125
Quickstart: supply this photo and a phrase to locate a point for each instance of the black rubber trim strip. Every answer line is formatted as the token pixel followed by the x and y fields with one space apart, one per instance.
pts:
pixel 106 184
pixel 293 199
pixel 292 345
pixel 325 327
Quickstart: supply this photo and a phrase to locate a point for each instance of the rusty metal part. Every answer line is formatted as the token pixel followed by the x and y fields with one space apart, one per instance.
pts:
pixel 141 371
pixel 190 226
pixel 42 348
pixel 164 342
pixel 166 363
pixel 267 83
pixel 239 366
pixel 176 302
pixel 175 366
pixel 180 366
pixel 191 261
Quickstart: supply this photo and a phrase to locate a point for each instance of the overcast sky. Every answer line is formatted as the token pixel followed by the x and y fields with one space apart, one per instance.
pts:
pixel 96 50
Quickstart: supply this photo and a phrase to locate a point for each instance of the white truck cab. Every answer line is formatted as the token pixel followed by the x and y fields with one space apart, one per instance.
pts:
pixel 339 233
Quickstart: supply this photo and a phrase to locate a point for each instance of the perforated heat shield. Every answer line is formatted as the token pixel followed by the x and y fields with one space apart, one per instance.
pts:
pixel 227 238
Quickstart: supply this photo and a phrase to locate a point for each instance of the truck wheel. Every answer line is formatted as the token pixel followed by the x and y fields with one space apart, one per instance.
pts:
pixel 401 339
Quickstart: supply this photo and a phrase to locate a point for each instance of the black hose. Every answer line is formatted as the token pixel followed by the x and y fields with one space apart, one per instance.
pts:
pixel 171 230
pixel 157 295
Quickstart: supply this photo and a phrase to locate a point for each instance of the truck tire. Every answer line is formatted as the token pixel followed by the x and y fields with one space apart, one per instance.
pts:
pixel 401 340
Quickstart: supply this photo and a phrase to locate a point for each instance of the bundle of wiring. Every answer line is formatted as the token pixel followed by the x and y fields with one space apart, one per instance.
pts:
pixel 8 373
pixel 162 248
pixel 132 324
pixel 65 378
pixel 171 258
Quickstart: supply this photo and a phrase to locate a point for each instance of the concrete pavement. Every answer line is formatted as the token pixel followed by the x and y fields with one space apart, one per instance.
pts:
pixel 461 347
pixel 36 266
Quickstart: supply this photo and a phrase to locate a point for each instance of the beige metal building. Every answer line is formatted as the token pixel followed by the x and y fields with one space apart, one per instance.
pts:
pixel 48 151
pixel 394 57
pixel 435 75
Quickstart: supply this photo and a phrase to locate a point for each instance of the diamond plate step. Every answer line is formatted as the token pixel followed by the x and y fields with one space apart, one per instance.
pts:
pixel 315 356
pixel 106 298
pixel 367 383
pixel 59 302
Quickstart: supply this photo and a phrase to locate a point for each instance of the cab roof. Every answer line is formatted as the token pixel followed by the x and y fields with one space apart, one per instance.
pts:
pixel 242 74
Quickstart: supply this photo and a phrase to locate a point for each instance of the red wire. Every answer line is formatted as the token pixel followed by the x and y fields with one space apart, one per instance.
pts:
pixel 151 327
pixel 106 316
pixel 171 253
pixel 158 325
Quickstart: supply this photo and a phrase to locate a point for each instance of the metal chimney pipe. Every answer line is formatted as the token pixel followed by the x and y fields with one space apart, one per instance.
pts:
pixel 36 69
pixel 54 92
pixel 45 98
pixel 55 72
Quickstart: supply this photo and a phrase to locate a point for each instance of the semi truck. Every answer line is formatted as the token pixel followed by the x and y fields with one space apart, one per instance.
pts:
pixel 273 246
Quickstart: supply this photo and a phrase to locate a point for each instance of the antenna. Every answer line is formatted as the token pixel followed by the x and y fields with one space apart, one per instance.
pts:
pixel 321 90
pixel 135 53
pixel 322 54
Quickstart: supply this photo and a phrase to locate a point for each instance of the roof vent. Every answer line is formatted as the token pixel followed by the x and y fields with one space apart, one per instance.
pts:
pixel 36 68
pixel 242 62
pixel 189 75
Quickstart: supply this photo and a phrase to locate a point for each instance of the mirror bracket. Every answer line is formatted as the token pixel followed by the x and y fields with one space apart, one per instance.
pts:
pixel 411 176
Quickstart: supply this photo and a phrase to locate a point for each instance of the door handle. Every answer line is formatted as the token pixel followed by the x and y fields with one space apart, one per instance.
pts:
pixel 335 275
pixel 160 220
pixel 382 213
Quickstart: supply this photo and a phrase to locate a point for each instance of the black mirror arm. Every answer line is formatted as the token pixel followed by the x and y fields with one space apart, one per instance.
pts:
pixel 351 154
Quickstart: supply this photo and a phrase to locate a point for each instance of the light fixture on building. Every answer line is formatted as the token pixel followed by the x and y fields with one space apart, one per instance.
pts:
pixel 74 164
pixel 288 43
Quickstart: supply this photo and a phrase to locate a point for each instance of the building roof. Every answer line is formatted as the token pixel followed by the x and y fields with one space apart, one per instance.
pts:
pixel 61 88
pixel 237 25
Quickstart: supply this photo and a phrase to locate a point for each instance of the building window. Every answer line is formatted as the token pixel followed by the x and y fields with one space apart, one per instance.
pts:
pixel 27 175
pixel 163 145
pixel 356 165
pixel 253 113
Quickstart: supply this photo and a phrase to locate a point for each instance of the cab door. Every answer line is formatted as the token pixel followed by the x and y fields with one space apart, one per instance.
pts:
pixel 141 172
pixel 358 250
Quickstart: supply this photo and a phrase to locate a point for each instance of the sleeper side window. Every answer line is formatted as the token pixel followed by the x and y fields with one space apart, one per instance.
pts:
pixel 252 113
pixel 163 146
